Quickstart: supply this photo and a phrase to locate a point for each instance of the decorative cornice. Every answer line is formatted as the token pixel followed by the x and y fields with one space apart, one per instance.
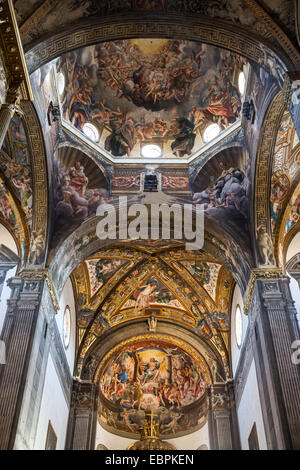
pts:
pixel 260 274
pixel 194 27
pixel 12 51
pixel 40 274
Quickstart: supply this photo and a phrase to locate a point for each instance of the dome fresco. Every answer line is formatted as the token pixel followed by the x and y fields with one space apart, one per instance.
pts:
pixel 127 94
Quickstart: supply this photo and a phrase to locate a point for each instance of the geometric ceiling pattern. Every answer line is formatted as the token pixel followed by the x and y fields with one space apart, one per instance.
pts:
pixel 183 287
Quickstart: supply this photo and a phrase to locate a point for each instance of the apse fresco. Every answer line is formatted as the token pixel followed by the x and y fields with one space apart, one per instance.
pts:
pixel 152 292
pixel 150 376
pixel 150 90
pixel 100 270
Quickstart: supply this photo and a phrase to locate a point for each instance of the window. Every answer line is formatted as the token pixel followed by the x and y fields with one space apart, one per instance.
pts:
pixel 67 326
pixel 242 83
pixel 151 151
pixel 60 83
pixel 238 326
pixel 253 439
pixel 91 131
pixel 212 131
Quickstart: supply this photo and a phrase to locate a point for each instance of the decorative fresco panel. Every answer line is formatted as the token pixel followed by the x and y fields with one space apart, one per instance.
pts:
pixel 80 187
pixel 280 185
pixel 152 292
pixel 15 165
pixel 151 90
pixel 101 270
pixel 6 209
pixel 293 211
pixel 148 376
pixel 223 187
pixel 205 273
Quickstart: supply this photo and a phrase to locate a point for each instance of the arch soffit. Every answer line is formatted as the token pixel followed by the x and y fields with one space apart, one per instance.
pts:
pixel 212 31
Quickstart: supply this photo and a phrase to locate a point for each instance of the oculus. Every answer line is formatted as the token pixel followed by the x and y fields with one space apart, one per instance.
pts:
pixel 151 151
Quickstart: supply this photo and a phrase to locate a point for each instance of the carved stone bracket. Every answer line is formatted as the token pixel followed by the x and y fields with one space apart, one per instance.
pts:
pixel 35 274
pixel 259 273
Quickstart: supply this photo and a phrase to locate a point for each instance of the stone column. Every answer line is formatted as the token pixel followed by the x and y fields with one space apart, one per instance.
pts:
pixel 83 416
pixel 222 422
pixel 17 334
pixel 275 329
pixel 7 112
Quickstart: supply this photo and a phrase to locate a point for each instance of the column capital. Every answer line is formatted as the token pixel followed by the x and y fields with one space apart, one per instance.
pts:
pixel 38 275
pixel 261 274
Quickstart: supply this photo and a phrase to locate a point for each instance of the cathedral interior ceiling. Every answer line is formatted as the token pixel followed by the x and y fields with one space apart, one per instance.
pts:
pixel 105 89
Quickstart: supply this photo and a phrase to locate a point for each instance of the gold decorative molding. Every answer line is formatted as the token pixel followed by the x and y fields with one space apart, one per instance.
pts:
pixel 263 171
pixel 12 51
pixel 259 274
pixel 39 171
pixel 39 275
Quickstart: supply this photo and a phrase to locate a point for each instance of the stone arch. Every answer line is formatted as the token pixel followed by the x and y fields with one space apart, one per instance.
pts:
pixel 40 222
pixel 263 168
pixel 196 28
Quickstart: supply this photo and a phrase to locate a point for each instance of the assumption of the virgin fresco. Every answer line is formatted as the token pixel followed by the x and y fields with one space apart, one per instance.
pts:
pixel 150 90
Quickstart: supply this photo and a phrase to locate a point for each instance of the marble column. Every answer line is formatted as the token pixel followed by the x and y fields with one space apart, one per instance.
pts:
pixel 275 329
pixel 17 334
pixel 83 416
